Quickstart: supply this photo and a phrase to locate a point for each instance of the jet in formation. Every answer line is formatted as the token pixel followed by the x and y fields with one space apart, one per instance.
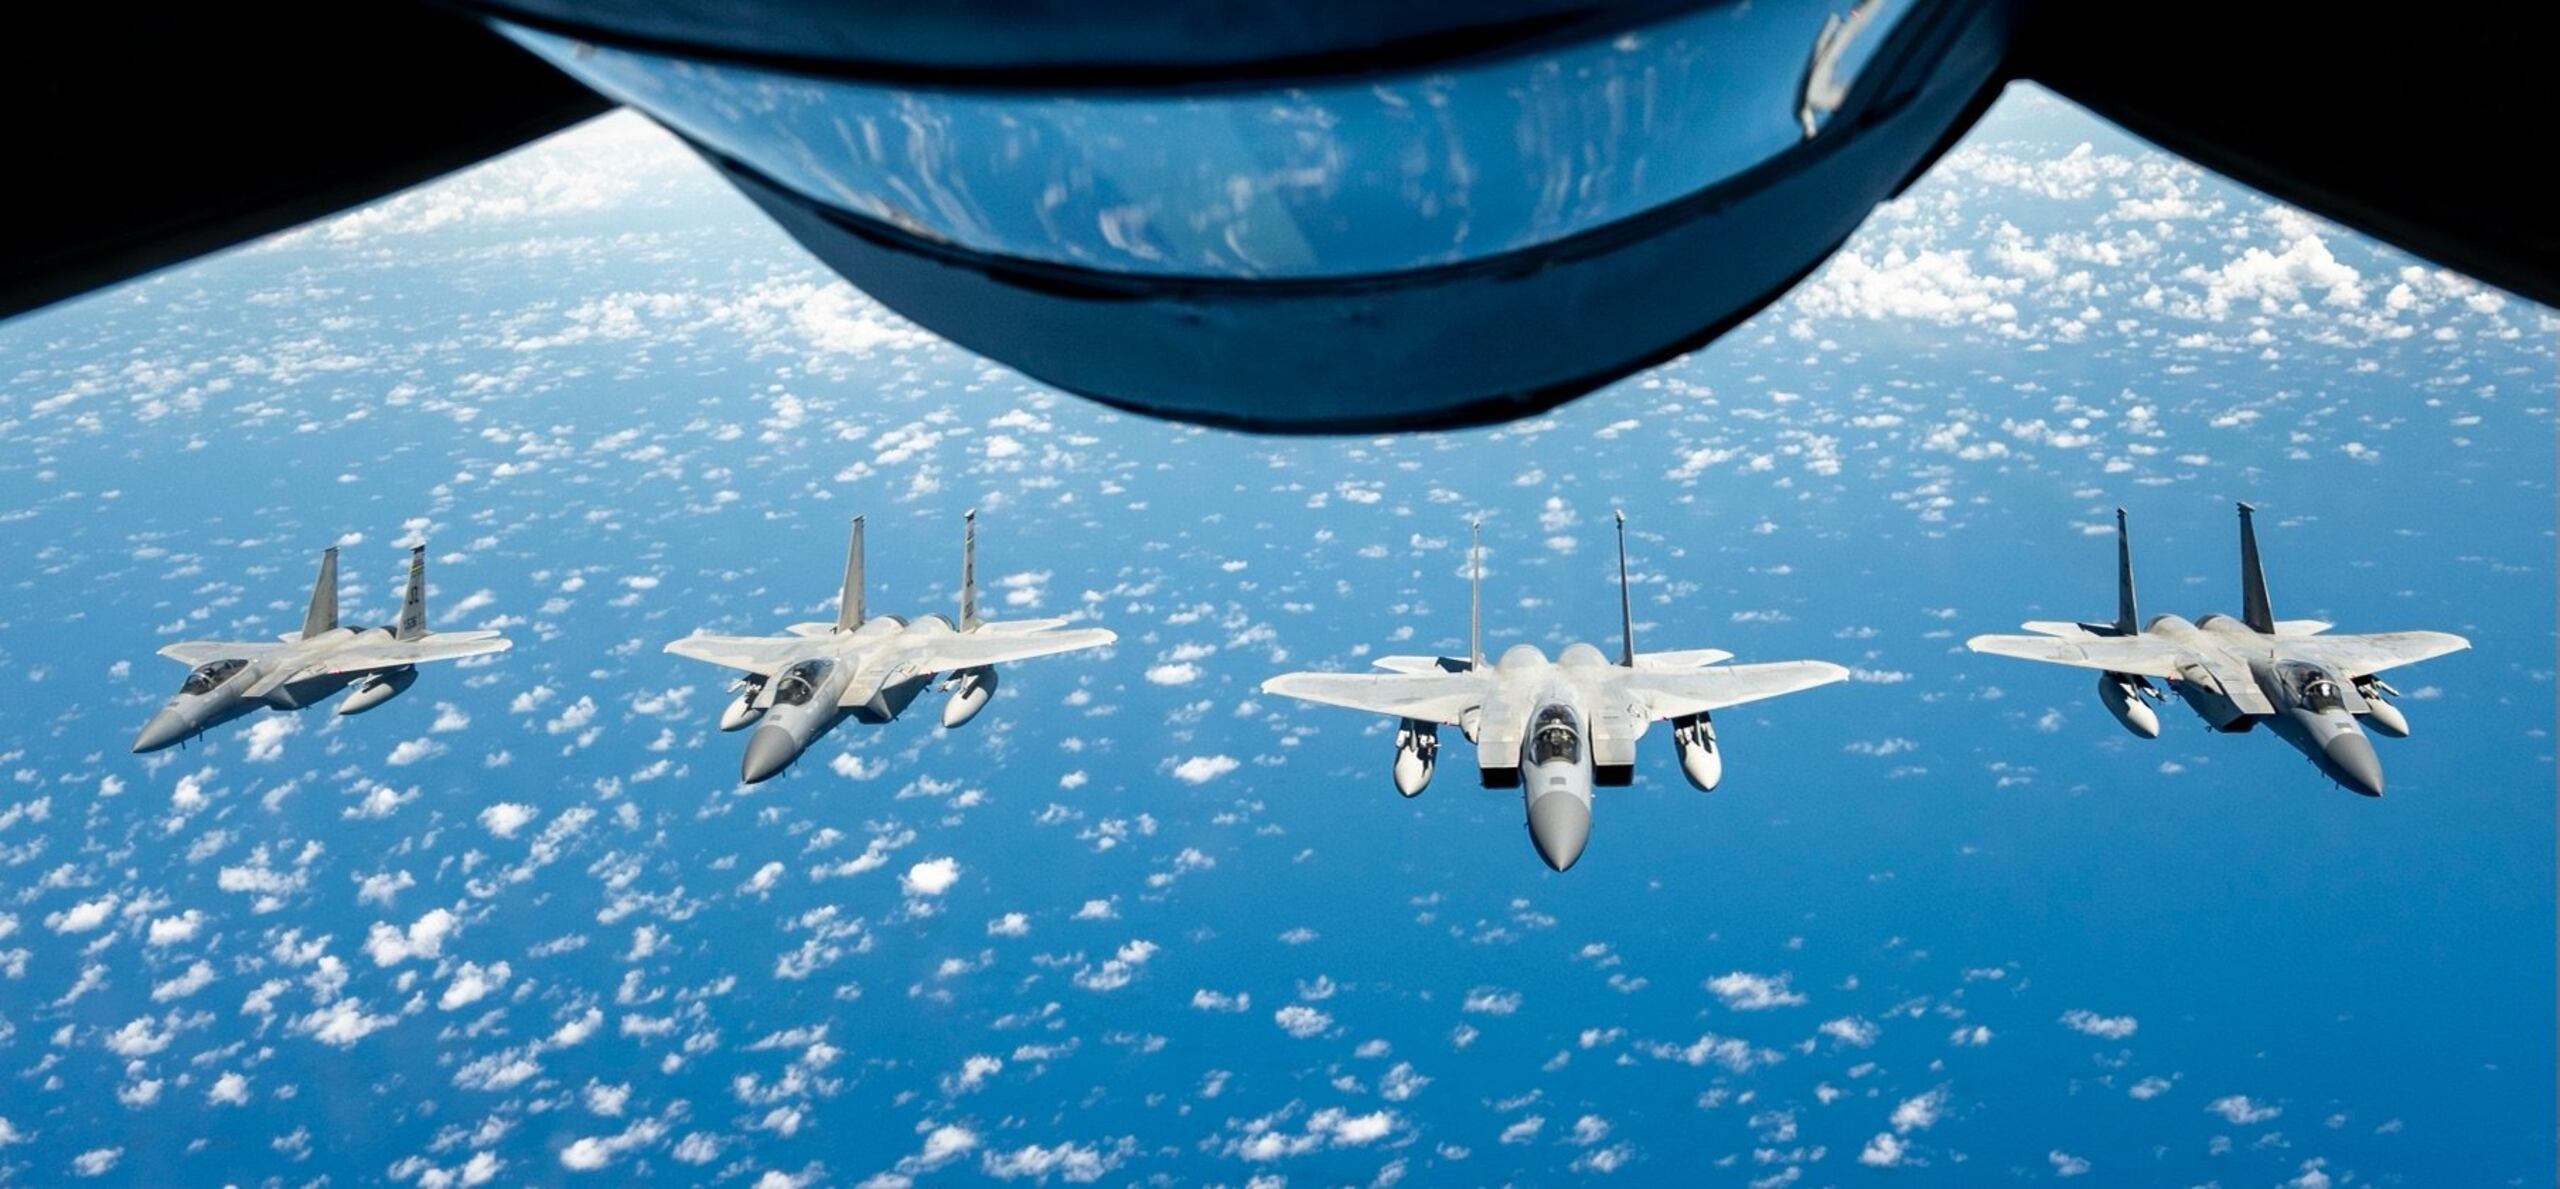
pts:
pixel 1556 729
pixel 799 684
pixel 233 678
pixel 2309 689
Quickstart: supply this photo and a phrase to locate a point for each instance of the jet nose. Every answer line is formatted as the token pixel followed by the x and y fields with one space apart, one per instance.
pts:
pixel 2352 762
pixel 769 750
pixel 165 728
pixel 1559 826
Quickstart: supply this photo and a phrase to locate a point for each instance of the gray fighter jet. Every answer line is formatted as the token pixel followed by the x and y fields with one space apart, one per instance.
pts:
pixel 1556 729
pixel 233 678
pixel 799 684
pixel 2309 689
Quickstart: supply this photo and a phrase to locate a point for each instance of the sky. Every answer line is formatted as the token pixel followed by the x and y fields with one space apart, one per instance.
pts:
pixel 1946 922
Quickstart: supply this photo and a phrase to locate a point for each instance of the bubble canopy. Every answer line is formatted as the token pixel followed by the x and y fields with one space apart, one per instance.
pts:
pixel 1462 242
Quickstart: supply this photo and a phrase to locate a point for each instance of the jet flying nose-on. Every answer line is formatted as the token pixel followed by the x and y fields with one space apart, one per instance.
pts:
pixel 1560 826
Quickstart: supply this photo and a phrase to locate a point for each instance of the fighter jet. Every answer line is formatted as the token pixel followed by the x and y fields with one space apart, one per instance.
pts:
pixel 805 681
pixel 233 678
pixel 1556 729
pixel 2309 689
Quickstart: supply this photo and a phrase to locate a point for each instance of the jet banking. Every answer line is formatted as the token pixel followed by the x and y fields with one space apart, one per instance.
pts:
pixel 800 684
pixel 1556 729
pixel 233 678
pixel 2309 689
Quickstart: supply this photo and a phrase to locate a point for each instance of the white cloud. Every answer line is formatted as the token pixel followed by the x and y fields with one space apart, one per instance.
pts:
pixel 231 1089
pixel 2104 1027
pixel 1207 1000
pixel 506 817
pixel 1920 1111
pixel 472 983
pixel 1203 769
pixel 424 938
pixel 266 737
pixel 931 877
pixel 2241 1110
pixel 83 917
pixel 1744 991
pixel 410 751
pixel 1301 1021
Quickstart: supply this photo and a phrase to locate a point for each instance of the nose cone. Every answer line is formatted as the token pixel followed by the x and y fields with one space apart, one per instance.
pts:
pixel 2352 762
pixel 165 728
pixel 769 750
pixel 1559 826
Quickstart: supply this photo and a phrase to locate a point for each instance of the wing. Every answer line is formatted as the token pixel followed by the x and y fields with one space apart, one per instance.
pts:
pixel 392 654
pixel 2366 655
pixel 1682 659
pixel 2115 654
pixel 761 655
pixel 1432 697
pixel 1421 664
pixel 388 654
pixel 983 647
pixel 196 652
pixel 1678 694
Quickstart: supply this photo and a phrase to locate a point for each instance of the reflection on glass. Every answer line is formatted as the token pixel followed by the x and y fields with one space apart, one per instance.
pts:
pixel 1339 179
pixel 800 682
pixel 2314 689
pixel 1555 738
pixel 210 675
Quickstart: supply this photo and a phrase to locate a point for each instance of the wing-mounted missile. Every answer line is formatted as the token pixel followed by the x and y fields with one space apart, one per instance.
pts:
pixel 1417 748
pixel 744 708
pixel 971 690
pixel 378 689
pixel 2128 697
pixel 2380 714
pixel 1693 739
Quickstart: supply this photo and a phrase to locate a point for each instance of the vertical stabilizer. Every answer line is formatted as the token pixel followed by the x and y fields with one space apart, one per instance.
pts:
pixel 1626 606
pixel 2128 618
pixel 323 615
pixel 413 600
pixel 849 604
pixel 969 570
pixel 2254 608
pixel 1475 594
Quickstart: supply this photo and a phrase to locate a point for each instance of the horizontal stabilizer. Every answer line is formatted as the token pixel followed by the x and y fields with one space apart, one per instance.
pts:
pixel 2302 627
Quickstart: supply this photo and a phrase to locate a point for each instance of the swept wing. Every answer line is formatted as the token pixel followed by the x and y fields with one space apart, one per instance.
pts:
pixel 2115 654
pixel 760 655
pixel 1432 697
pixel 992 644
pixel 196 652
pixel 1680 693
pixel 2371 653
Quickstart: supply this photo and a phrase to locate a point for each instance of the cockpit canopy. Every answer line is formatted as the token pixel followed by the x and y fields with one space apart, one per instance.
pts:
pixel 210 676
pixel 800 682
pixel 1555 737
pixel 2312 687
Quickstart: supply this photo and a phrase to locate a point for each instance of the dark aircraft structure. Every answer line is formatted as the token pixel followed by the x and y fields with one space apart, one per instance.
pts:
pixel 1282 215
